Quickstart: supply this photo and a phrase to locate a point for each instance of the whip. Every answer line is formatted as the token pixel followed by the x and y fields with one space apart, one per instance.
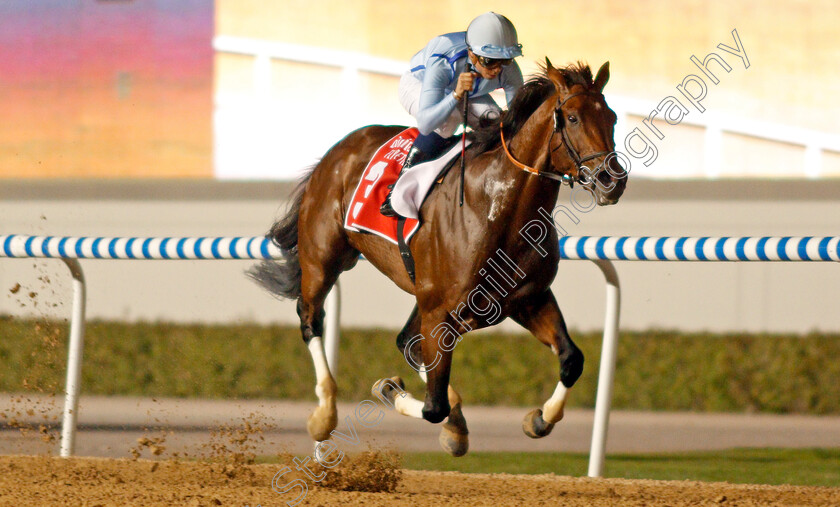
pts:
pixel 469 68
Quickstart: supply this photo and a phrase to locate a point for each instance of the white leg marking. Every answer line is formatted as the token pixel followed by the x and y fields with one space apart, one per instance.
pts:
pixel 553 408
pixel 408 405
pixel 319 358
pixel 324 383
pixel 422 373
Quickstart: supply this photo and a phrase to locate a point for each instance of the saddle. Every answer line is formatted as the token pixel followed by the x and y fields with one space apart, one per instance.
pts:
pixel 407 197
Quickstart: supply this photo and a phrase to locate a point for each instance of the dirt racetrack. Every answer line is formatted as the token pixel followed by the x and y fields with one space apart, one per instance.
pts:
pixel 27 480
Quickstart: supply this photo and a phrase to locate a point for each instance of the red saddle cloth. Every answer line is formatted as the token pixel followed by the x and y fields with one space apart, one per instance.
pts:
pixel 382 170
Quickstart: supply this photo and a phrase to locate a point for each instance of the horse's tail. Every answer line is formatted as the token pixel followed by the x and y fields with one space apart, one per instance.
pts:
pixel 282 278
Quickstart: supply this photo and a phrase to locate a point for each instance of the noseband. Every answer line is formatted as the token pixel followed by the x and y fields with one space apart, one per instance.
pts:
pixel 559 128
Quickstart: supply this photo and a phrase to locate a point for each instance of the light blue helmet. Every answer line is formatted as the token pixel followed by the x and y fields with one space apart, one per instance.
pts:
pixel 493 36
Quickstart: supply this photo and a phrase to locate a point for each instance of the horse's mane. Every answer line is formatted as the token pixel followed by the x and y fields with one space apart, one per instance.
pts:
pixel 528 99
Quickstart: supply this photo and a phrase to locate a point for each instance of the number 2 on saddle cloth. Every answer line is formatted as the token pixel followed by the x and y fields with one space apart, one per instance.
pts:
pixel 382 171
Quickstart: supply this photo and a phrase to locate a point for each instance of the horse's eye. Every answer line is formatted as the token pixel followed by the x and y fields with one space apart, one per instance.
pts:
pixel 572 118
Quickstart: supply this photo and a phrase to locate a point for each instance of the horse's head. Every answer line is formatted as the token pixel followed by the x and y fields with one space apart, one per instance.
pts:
pixel 581 146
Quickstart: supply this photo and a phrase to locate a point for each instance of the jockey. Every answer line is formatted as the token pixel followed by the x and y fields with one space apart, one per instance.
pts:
pixel 474 62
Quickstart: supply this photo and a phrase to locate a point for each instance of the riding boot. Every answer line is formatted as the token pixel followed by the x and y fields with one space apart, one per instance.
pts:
pixel 415 156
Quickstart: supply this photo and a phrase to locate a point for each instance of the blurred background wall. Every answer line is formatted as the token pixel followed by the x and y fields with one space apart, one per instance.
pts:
pixel 307 73
pixel 106 88
pixel 256 89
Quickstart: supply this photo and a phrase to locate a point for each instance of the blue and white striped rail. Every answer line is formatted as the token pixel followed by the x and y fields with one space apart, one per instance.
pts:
pixel 156 248
pixel 724 249
pixel 719 249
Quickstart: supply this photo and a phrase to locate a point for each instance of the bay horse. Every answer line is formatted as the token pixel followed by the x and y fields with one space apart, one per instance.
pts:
pixel 558 120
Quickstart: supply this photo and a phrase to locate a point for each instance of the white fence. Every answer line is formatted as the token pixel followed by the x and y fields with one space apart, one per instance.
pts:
pixel 600 250
pixel 814 144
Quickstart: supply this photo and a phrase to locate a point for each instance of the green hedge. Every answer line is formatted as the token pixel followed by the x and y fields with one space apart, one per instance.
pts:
pixel 656 370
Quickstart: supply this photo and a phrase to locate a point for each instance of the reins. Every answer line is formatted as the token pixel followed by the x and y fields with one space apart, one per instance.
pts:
pixel 565 178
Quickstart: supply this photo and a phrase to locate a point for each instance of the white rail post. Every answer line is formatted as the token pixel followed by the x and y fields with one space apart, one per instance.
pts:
pixel 603 400
pixel 74 360
pixel 332 334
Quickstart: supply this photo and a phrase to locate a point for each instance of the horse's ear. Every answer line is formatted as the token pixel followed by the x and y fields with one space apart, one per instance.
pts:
pixel 602 77
pixel 555 76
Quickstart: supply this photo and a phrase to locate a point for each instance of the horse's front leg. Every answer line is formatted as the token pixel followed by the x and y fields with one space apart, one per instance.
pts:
pixel 542 317
pixel 454 435
pixel 431 357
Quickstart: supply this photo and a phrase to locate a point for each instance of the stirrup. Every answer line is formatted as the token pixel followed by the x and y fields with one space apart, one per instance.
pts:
pixel 386 209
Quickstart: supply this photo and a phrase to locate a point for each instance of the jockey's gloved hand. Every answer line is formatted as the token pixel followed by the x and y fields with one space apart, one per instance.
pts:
pixel 465 84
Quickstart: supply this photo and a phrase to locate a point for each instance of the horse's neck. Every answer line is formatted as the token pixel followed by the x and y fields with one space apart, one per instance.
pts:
pixel 516 195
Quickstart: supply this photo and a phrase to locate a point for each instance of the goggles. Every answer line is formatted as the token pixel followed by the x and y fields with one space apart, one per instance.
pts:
pixel 492 63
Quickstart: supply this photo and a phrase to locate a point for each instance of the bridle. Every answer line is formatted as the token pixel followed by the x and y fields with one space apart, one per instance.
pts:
pixel 559 128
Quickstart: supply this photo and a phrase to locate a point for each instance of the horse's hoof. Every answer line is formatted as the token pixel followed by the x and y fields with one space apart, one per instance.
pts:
pixel 385 387
pixel 454 436
pixel 534 425
pixel 456 444
pixel 321 423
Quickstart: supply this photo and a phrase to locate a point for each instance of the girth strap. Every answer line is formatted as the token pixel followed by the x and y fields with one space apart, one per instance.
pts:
pixel 405 253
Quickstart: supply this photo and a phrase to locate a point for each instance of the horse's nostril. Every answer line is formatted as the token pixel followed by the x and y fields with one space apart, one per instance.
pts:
pixel 604 178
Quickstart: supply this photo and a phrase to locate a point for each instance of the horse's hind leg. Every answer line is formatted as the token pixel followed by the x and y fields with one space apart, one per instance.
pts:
pixel 325 417
pixel 318 274
pixel 542 317
pixel 454 435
